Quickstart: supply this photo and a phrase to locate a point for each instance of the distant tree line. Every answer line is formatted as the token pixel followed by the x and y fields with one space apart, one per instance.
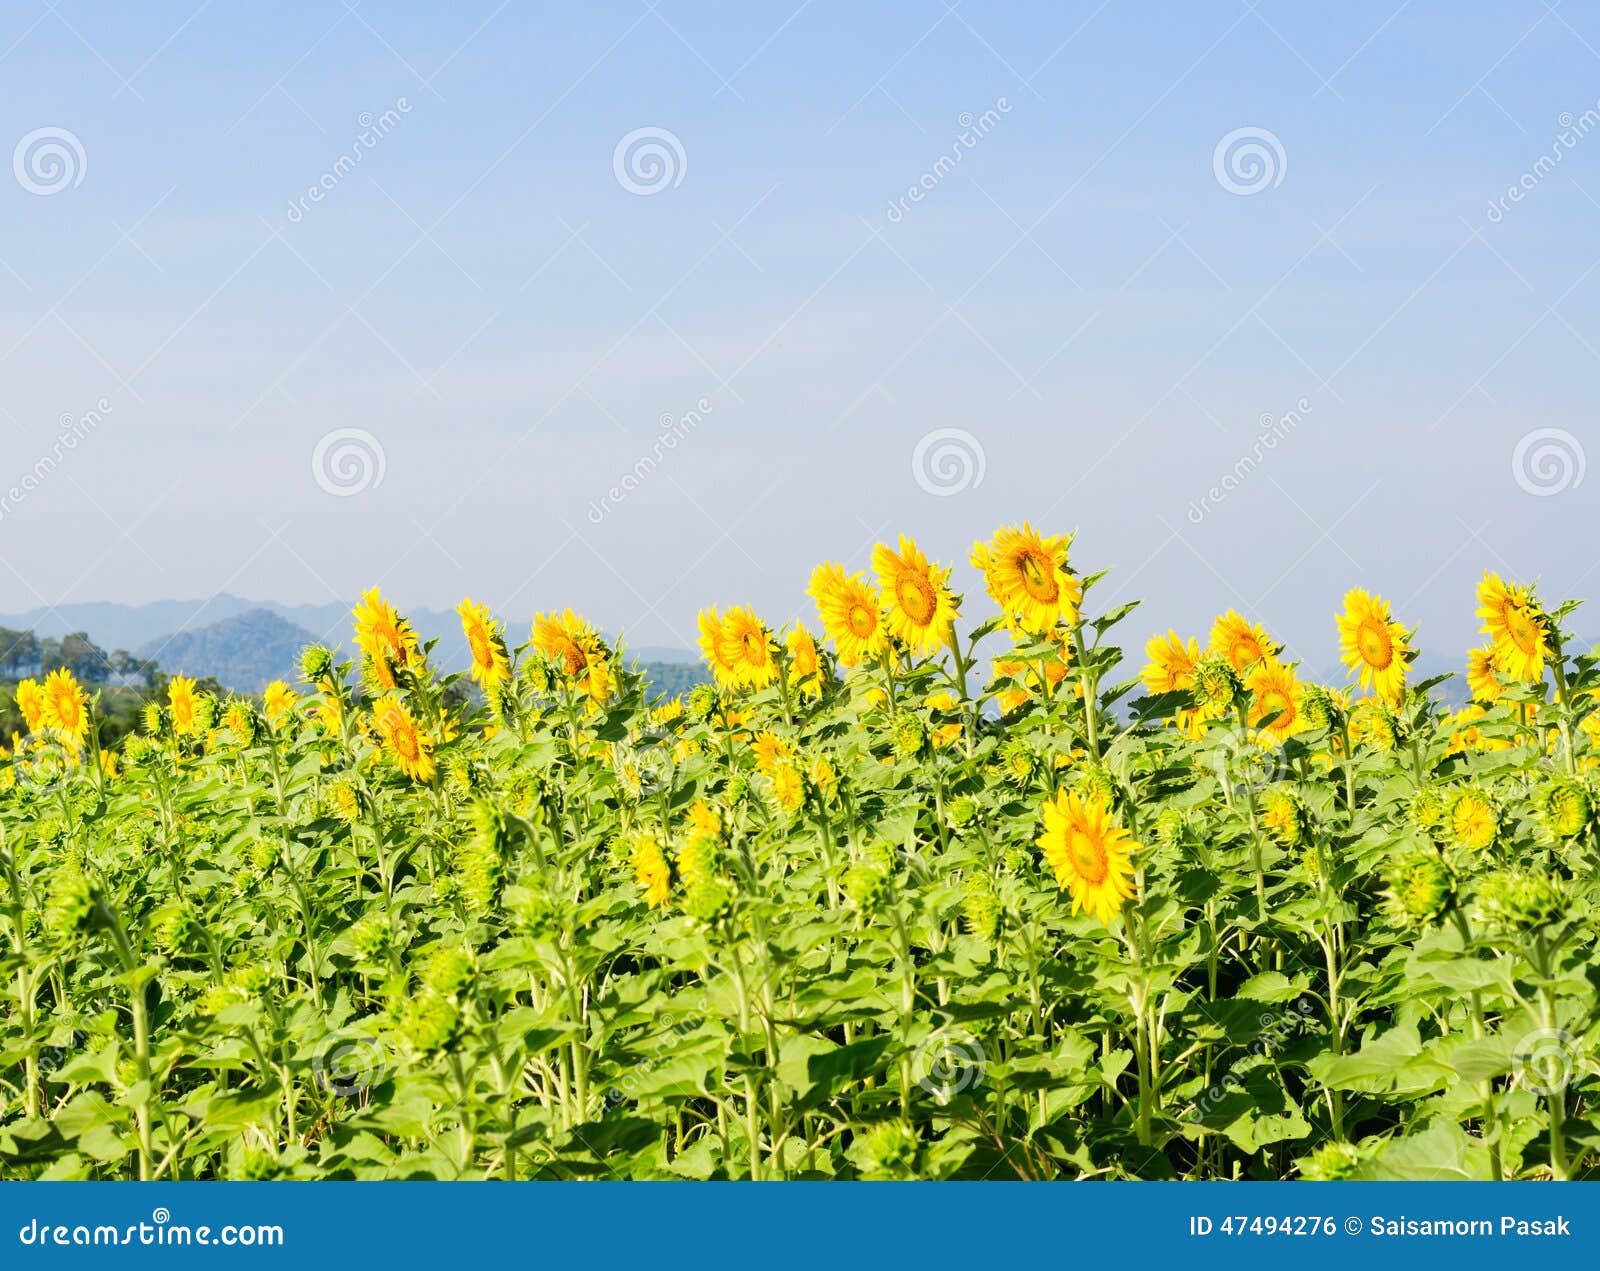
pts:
pixel 25 653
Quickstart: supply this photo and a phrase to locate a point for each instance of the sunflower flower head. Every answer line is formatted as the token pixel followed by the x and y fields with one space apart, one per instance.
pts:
pixel 807 675
pixel 1027 576
pixel 850 615
pixel 1517 626
pixel 651 871
pixel 387 640
pixel 30 704
pixel 1286 819
pixel 491 664
pixel 1173 663
pixel 277 701
pixel 1091 854
pixel 1474 819
pixel 1373 645
pixel 914 596
pixel 1240 642
pixel 404 740
pixel 66 707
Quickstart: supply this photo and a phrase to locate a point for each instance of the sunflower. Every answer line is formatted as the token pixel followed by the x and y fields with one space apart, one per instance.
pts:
pixel 384 636
pixel 849 613
pixel 788 788
pixel 1027 577
pixel 1242 643
pixel 1474 820
pixel 651 871
pixel 750 648
pixel 490 662
pixel 277 701
pixel 65 707
pixel 408 745
pixel 770 750
pixel 704 823
pixel 1373 645
pixel 1275 690
pixel 915 596
pixel 328 711
pixel 576 649
pixel 184 704
pixel 1482 675
pixel 1513 619
pixel 1172 663
pixel 719 654
pixel 1090 853
pixel 806 672
pixel 30 702
pixel 563 639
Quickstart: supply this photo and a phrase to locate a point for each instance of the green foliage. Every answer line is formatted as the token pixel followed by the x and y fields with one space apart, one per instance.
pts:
pixel 599 940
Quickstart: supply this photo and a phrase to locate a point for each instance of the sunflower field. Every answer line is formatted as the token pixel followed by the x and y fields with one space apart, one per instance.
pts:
pixel 920 896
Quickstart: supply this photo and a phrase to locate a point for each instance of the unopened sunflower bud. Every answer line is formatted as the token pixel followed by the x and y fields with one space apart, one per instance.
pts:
pixel 702 702
pixel 1286 819
pixel 908 736
pixel 1421 888
pixel 1217 686
pixel 1564 807
pixel 1520 901
pixel 980 911
pixel 316 663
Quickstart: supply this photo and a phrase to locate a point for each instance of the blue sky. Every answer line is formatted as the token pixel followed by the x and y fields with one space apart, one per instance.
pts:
pixel 1104 323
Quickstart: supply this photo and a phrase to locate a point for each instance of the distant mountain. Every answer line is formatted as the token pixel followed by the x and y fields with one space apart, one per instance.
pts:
pixel 245 652
pixel 136 626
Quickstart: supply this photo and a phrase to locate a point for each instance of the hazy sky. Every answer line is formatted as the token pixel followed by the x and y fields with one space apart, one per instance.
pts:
pixel 1099 290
